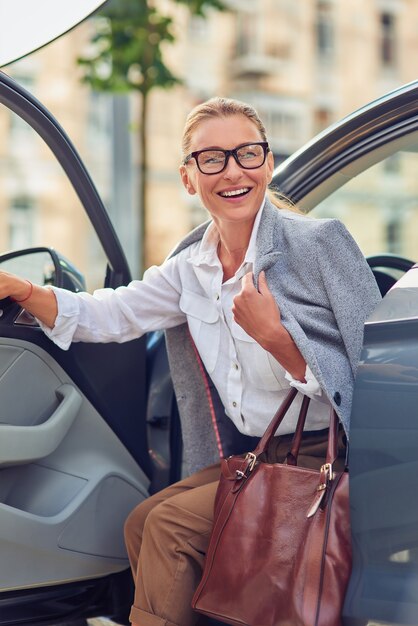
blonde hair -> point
(226, 107)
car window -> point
(379, 205)
(38, 205)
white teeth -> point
(235, 192)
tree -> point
(128, 57)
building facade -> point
(303, 65)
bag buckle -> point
(326, 476)
(250, 461)
(251, 458)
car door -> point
(363, 171)
(80, 445)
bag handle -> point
(292, 455)
(275, 422)
(332, 447)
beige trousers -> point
(167, 537)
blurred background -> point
(303, 64)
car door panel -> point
(22, 444)
(75, 497)
(384, 462)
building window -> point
(324, 31)
(393, 235)
(284, 130)
(247, 40)
(283, 125)
(21, 223)
(387, 39)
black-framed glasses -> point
(249, 156)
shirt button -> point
(217, 296)
(234, 404)
(236, 366)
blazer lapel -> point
(267, 254)
(192, 237)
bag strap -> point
(332, 450)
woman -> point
(254, 301)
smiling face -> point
(236, 194)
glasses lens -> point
(211, 161)
(251, 156)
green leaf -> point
(127, 45)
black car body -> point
(88, 433)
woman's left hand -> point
(259, 315)
(257, 311)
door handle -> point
(23, 444)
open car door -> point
(74, 439)
(365, 165)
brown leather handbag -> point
(280, 549)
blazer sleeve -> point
(349, 283)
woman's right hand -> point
(40, 301)
(13, 286)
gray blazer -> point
(325, 291)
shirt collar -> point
(206, 251)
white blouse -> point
(188, 287)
